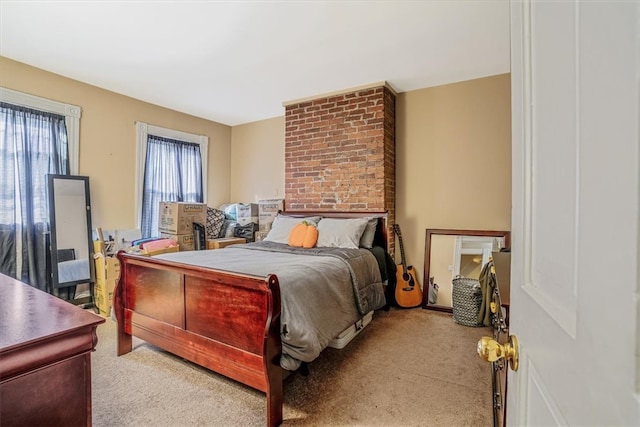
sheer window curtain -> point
(173, 173)
(32, 144)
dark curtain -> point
(32, 144)
(172, 173)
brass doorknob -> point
(490, 350)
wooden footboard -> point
(226, 322)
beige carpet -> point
(407, 368)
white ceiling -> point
(235, 62)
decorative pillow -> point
(215, 222)
(341, 232)
(282, 226)
(303, 235)
(366, 241)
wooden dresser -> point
(45, 358)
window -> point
(70, 112)
(37, 137)
(170, 168)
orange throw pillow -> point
(303, 235)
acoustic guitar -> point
(407, 293)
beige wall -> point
(108, 139)
(453, 153)
(257, 161)
(453, 160)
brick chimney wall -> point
(340, 153)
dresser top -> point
(28, 314)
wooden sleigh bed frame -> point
(224, 321)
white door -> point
(575, 227)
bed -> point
(241, 311)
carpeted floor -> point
(407, 368)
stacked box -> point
(267, 212)
(176, 222)
(178, 217)
(259, 236)
(107, 274)
(185, 241)
(246, 213)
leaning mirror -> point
(71, 250)
(451, 253)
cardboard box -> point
(246, 213)
(265, 227)
(107, 275)
(178, 217)
(185, 241)
(224, 242)
(267, 212)
(99, 247)
(260, 235)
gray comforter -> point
(323, 290)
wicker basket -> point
(467, 300)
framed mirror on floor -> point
(450, 253)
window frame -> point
(72, 114)
(142, 132)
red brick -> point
(340, 153)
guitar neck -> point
(396, 228)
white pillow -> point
(282, 225)
(341, 232)
(366, 241)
